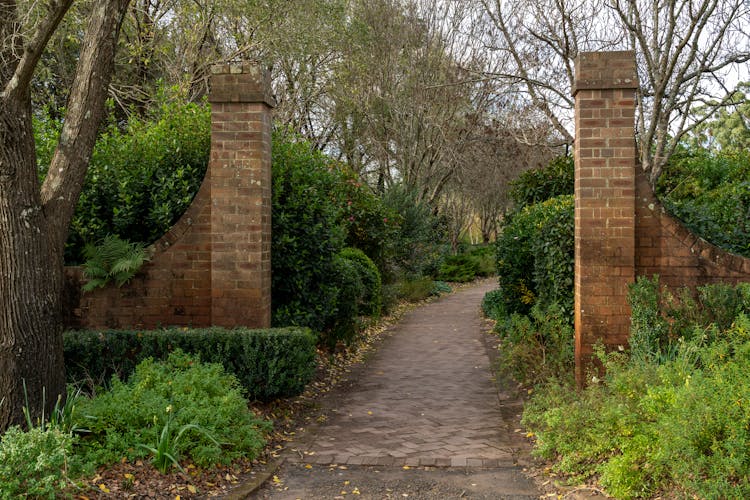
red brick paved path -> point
(425, 398)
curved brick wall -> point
(213, 267)
(667, 248)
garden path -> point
(423, 407)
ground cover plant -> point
(172, 412)
(670, 415)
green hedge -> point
(268, 363)
(535, 257)
(710, 193)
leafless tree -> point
(684, 51)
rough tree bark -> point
(34, 217)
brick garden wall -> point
(621, 230)
(213, 267)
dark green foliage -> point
(535, 257)
(493, 306)
(268, 363)
(553, 248)
(181, 392)
(370, 303)
(466, 266)
(538, 185)
(537, 347)
(112, 259)
(370, 225)
(710, 193)
(307, 237)
(141, 178)
(660, 319)
(418, 246)
(459, 268)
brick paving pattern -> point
(427, 397)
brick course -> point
(213, 267)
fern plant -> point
(113, 259)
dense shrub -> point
(661, 319)
(536, 347)
(419, 244)
(268, 363)
(710, 193)
(672, 415)
(553, 246)
(141, 177)
(493, 306)
(307, 237)
(535, 257)
(370, 302)
(468, 265)
(318, 207)
(176, 392)
(370, 225)
(458, 268)
(538, 185)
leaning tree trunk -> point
(34, 218)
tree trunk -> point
(30, 277)
(34, 218)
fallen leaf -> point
(129, 476)
(104, 488)
(406, 467)
(355, 491)
(192, 489)
(346, 483)
(308, 466)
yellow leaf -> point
(406, 467)
(276, 479)
(104, 488)
(355, 491)
(177, 497)
(308, 466)
(192, 489)
(529, 434)
(369, 413)
(129, 476)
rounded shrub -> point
(370, 303)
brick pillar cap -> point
(240, 81)
(605, 70)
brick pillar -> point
(605, 159)
(240, 180)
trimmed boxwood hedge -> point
(268, 363)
